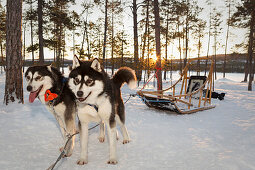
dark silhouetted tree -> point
(2, 35)
(244, 17)
(40, 30)
(216, 26)
(14, 78)
(158, 50)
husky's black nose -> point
(29, 88)
(79, 93)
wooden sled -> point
(185, 95)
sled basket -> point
(185, 95)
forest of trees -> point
(59, 29)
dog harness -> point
(48, 96)
(95, 107)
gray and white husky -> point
(92, 86)
(48, 84)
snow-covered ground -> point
(221, 139)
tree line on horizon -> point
(51, 24)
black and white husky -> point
(92, 86)
(48, 84)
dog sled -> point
(187, 95)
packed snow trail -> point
(220, 138)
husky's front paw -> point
(125, 141)
(82, 161)
(101, 139)
(112, 161)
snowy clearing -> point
(220, 138)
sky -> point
(236, 36)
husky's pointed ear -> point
(49, 67)
(76, 62)
(96, 65)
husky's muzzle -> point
(80, 93)
(33, 94)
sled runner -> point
(185, 95)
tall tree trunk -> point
(24, 47)
(215, 53)
(32, 36)
(59, 45)
(112, 40)
(2, 58)
(253, 72)
(250, 49)
(148, 52)
(145, 35)
(122, 49)
(209, 38)
(87, 39)
(40, 32)
(136, 61)
(83, 38)
(63, 53)
(226, 46)
(73, 41)
(55, 44)
(59, 41)
(14, 78)
(186, 34)
(167, 23)
(158, 53)
(171, 68)
(198, 53)
(99, 44)
(179, 38)
(105, 32)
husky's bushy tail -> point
(125, 75)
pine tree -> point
(209, 3)
(178, 14)
(116, 10)
(216, 25)
(61, 18)
(229, 5)
(244, 17)
(148, 38)
(166, 9)
(105, 29)
(191, 12)
(31, 17)
(158, 50)
(40, 30)
(136, 57)
(2, 35)
(199, 34)
(14, 78)
(145, 23)
(86, 33)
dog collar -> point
(95, 107)
(48, 96)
